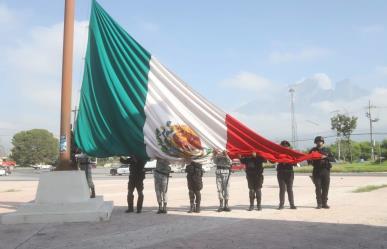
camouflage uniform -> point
(161, 175)
(195, 184)
(136, 181)
(85, 165)
(222, 173)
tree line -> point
(39, 146)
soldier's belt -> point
(222, 171)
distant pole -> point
(293, 118)
(75, 111)
(369, 116)
(67, 68)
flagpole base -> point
(62, 196)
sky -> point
(231, 52)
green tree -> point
(34, 147)
(344, 126)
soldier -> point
(195, 184)
(223, 172)
(285, 176)
(161, 175)
(254, 175)
(321, 172)
(85, 164)
(136, 181)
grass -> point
(348, 167)
(369, 188)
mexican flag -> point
(131, 104)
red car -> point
(236, 165)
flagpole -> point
(67, 67)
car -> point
(41, 166)
(123, 169)
(236, 165)
(4, 171)
(116, 166)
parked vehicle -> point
(4, 171)
(236, 165)
(41, 166)
(116, 166)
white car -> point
(42, 166)
(3, 172)
(123, 169)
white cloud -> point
(306, 54)
(39, 58)
(247, 81)
(323, 80)
(370, 29)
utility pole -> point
(293, 118)
(75, 112)
(67, 68)
(369, 116)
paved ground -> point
(356, 220)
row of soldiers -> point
(254, 176)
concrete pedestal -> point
(62, 196)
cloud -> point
(304, 55)
(32, 66)
(247, 81)
(323, 80)
(39, 58)
(370, 29)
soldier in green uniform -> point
(161, 175)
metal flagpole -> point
(67, 67)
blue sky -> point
(232, 52)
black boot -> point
(220, 208)
(197, 207)
(160, 210)
(140, 200)
(129, 199)
(291, 199)
(259, 194)
(325, 205)
(226, 207)
(165, 208)
(252, 197)
(280, 206)
(192, 207)
(92, 193)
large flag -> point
(133, 105)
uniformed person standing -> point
(136, 181)
(254, 175)
(194, 172)
(285, 176)
(321, 172)
(222, 173)
(161, 175)
(85, 164)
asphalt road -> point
(29, 174)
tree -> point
(344, 126)
(34, 147)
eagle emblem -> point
(180, 141)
